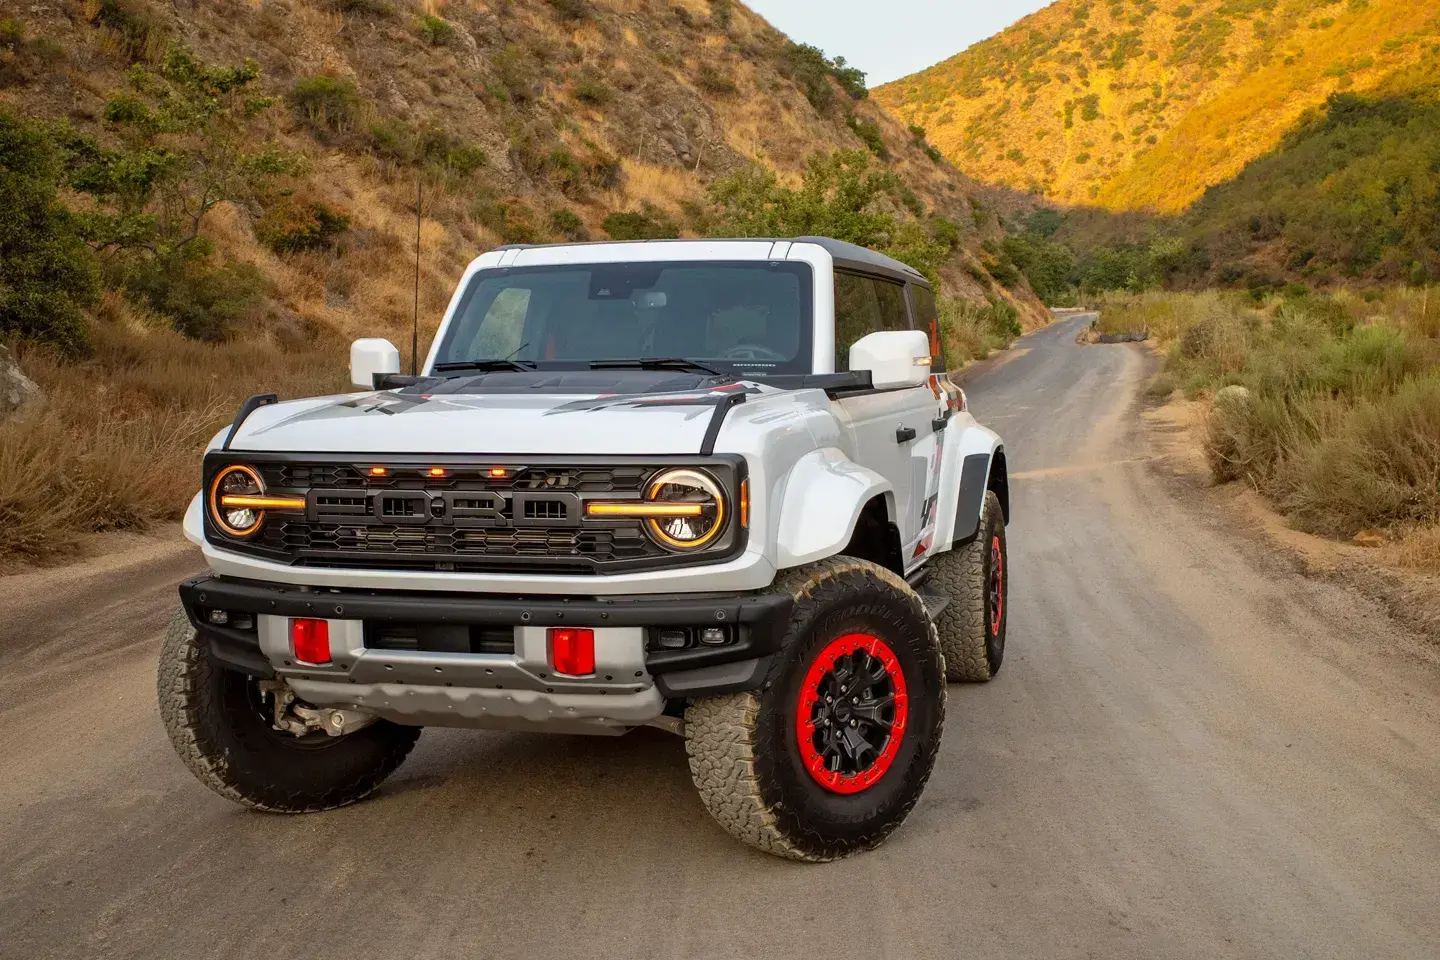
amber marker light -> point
(499, 472)
(745, 503)
(661, 510)
(377, 471)
(437, 472)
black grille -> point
(407, 514)
(299, 536)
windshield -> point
(741, 318)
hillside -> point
(1143, 104)
(529, 120)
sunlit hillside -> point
(1143, 104)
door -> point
(928, 454)
(888, 428)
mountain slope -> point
(529, 120)
(1142, 104)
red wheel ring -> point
(997, 586)
(854, 686)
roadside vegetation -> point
(1328, 405)
(180, 229)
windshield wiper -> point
(484, 366)
(657, 363)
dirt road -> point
(1192, 751)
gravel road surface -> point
(1192, 751)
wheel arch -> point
(829, 505)
(977, 466)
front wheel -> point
(219, 724)
(832, 753)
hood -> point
(490, 423)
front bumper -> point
(511, 689)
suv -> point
(719, 487)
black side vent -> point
(341, 504)
(544, 510)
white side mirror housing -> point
(895, 358)
(369, 356)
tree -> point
(46, 272)
(184, 131)
(840, 196)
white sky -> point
(889, 39)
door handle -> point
(904, 434)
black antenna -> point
(415, 329)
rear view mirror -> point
(370, 357)
(895, 358)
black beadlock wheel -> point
(833, 752)
(220, 726)
(976, 578)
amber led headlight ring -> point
(238, 501)
(694, 505)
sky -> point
(890, 39)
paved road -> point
(1191, 752)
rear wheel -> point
(833, 752)
(220, 724)
(976, 578)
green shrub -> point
(373, 8)
(570, 9)
(841, 195)
(326, 103)
(203, 299)
(428, 146)
(516, 72)
(567, 224)
(591, 88)
(436, 31)
(869, 134)
(134, 32)
(292, 227)
(721, 11)
(945, 232)
(47, 273)
(714, 80)
(650, 224)
(812, 71)
(22, 59)
(971, 331)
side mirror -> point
(895, 358)
(371, 356)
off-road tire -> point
(972, 635)
(745, 756)
(230, 746)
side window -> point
(857, 313)
(893, 315)
(864, 305)
(922, 304)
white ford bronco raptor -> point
(720, 487)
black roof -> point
(864, 259)
(847, 256)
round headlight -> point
(236, 481)
(687, 487)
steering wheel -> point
(753, 351)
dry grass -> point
(1420, 550)
(117, 444)
(1339, 424)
